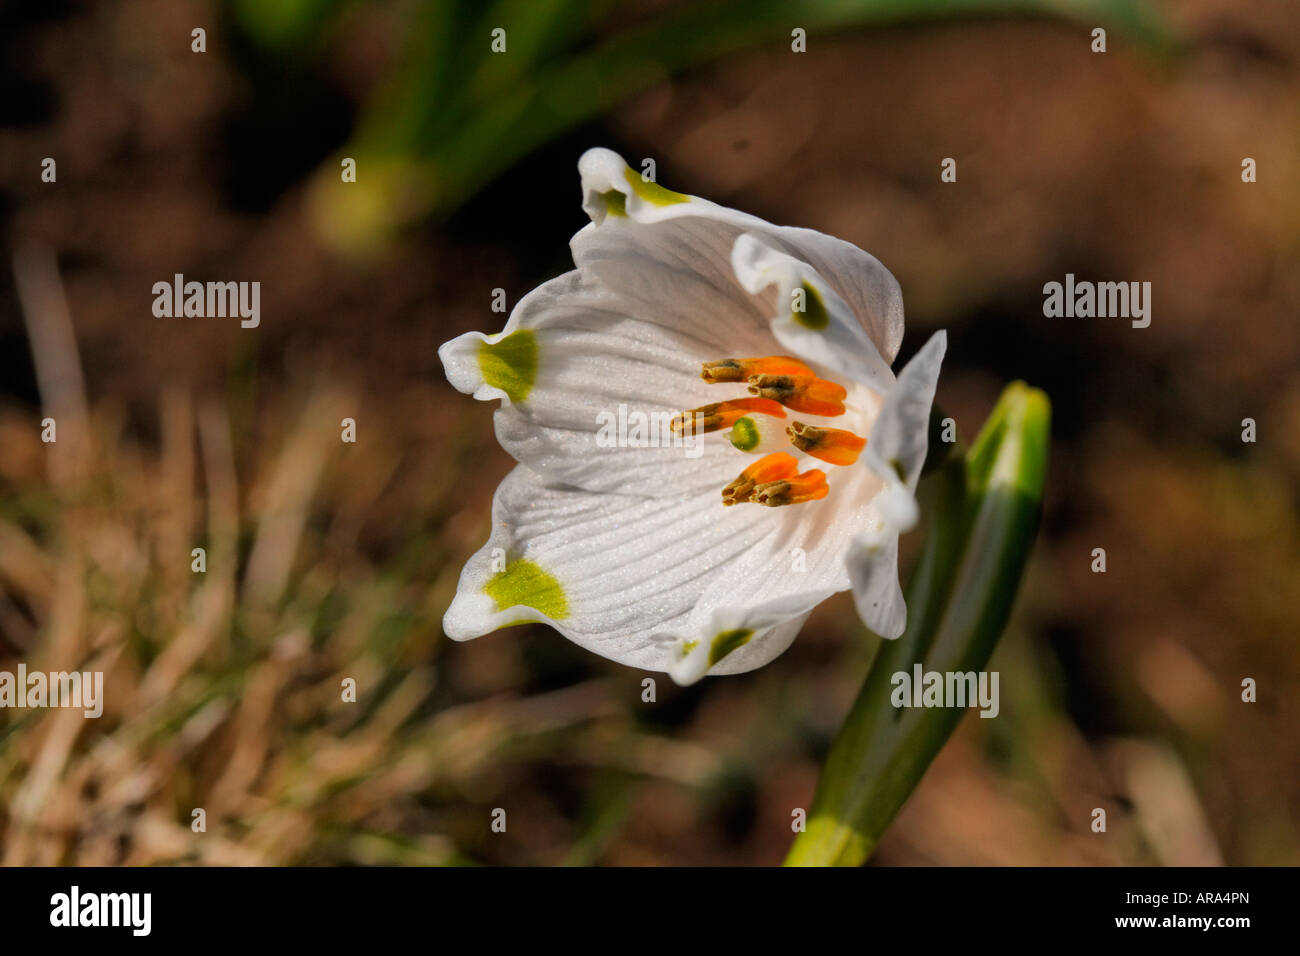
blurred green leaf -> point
(563, 94)
(282, 25)
(453, 115)
(984, 509)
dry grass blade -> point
(54, 352)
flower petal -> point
(895, 453)
(689, 228)
(619, 341)
(602, 388)
(873, 569)
(811, 319)
(613, 189)
(633, 578)
(743, 639)
(900, 436)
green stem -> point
(984, 509)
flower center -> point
(776, 383)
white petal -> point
(677, 275)
(688, 227)
(600, 393)
(623, 337)
(811, 319)
(743, 640)
(895, 453)
(631, 578)
(873, 569)
(900, 436)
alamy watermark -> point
(639, 429)
(77, 689)
(181, 299)
(922, 688)
(1101, 300)
(133, 911)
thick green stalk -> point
(984, 508)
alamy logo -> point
(923, 688)
(74, 908)
(638, 429)
(215, 300)
(83, 689)
(1102, 300)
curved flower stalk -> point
(709, 435)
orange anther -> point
(740, 370)
(803, 393)
(768, 469)
(832, 445)
(809, 486)
(710, 418)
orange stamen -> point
(769, 469)
(711, 418)
(803, 393)
(740, 370)
(834, 446)
(809, 486)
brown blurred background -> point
(327, 560)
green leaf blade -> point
(984, 509)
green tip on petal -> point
(615, 203)
(652, 193)
(510, 364)
(726, 642)
(744, 434)
(525, 582)
(813, 315)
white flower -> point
(783, 335)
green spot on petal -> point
(511, 364)
(744, 434)
(524, 582)
(519, 623)
(615, 203)
(814, 315)
(726, 642)
(652, 193)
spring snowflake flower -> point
(785, 459)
